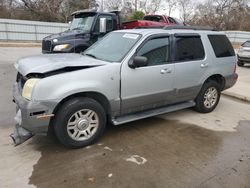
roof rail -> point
(150, 27)
(189, 28)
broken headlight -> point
(28, 87)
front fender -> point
(103, 79)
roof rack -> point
(150, 27)
(189, 28)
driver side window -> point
(156, 50)
(109, 26)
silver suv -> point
(126, 76)
(244, 54)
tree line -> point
(221, 14)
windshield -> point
(82, 22)
(113, 47)
(246, 44)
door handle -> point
(204, 65)
(166, 71)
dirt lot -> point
(180, 149)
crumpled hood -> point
(51, 62)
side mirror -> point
(102, 26)
(138, 61)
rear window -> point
(189, 48)
(221, 45)
(246, 44)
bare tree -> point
(186, 8)
(171, 5)
(113, 4)
(222, 14)
(153, 6)
(54, 10)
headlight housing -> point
(28, 87)
(55, 40)
(61, 47)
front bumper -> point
(29, 113)
(243, 59)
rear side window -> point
(189, 48)
(221, 45)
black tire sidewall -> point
(67, 110)
(200, 107)
(240, 64)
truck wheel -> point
(208, 98)
(240, 64)
(79, 122)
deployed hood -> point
(52, 62)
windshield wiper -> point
(90, 55)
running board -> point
(150, 113)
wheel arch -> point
(100, 98)
(217, 78)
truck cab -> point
(85, 29)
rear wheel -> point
(79, 122)
(208, 98)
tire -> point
(204, 102)
(240, 64)
(79, 122)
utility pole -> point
(135, 5)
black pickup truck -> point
(85, 29)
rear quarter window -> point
(221, 45)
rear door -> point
(190, 65)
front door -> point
(150, 86)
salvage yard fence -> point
(34, 31)
(238, 36)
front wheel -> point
(79, 122)
(208, 98)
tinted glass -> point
(221, 45)
(189, 48)
(113, 47)
(246, 44)
(154, 18)
(156, 50)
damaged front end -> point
(20, 134)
